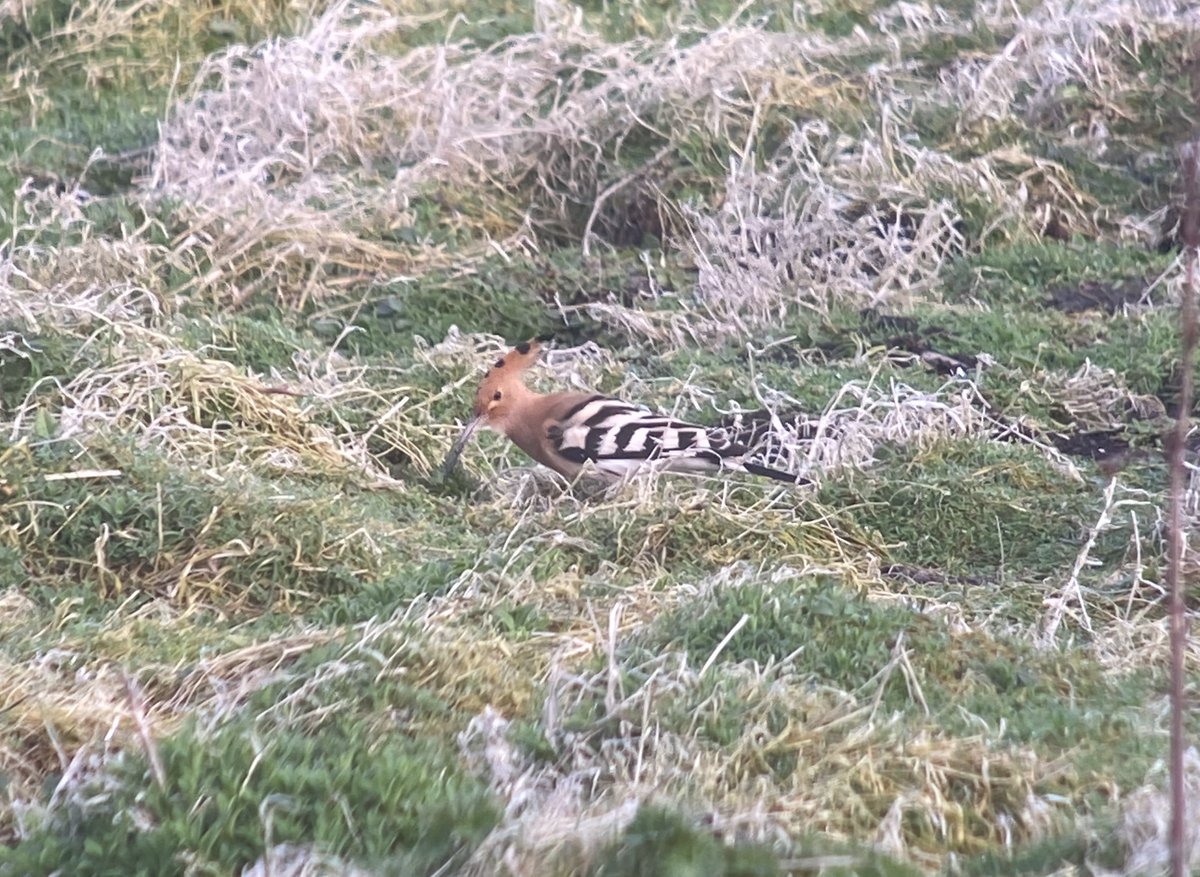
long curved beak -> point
(455, 452)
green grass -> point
(401, 804)
(970, 509)
(663, 844)
(840, 639)
(260, 551)
(47, 356)
(314, 618)
(1058, 704)
(1021, 274)
(1043, 858)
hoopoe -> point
(565, 431)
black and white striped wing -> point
(618, 437)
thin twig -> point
(1056, 605)
(1188, 337)
(614, 672)
(82, 474)
(617, 186)
(138, 713)
(722, 644)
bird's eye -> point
(496, 396)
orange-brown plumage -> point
(566, 431)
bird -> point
(568, 431)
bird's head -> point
(500, 391)
(504, 384)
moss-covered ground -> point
(253, 259)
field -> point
(254, 257)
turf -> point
(253, 259)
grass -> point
(244, 624)
(661, 842)
(964, 682)
(969, 510)
(235, 791)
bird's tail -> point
(776, 474)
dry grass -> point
(822, 220)
(295, 157)
(298, 179)
(1144, 829)
(848, 760)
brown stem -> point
(1188, 335)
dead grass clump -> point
(827, 220)
(143, 525)
(97, 282)
(1094, 398)
(862, 417)
(280, 156)
(458, 665)
(664, 329)
(604, 150)
(300, 156)
(831, 220)
(1141, 637)
(1144, 827)
(1118, 605)
(219, 685)
(774, 755)
(195, 408)
(548, 819)
(60, 275)
(280, 114)
(848, 434)
(1065, 48)
(302, 860)
(819, 760)
(109, 42)
(175, 401)
(72, 716)
(65, 715)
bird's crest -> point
(507, 371)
